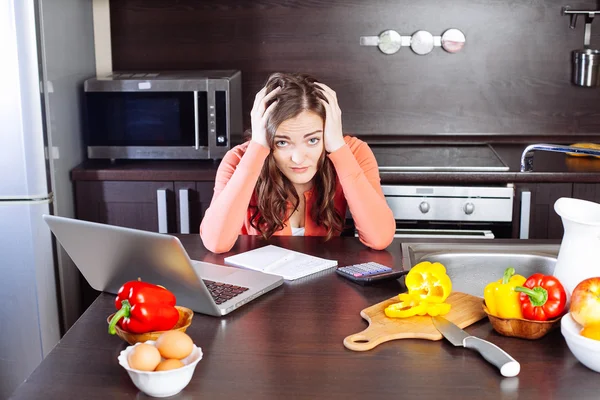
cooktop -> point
(461, 157)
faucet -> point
(527, 156)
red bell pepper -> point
(542, 297)
(144, 307)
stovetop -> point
(447, 158)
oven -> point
(461, 212)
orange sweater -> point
(358, 187)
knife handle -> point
(507, 365)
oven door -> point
(453, 230)
(451, 212)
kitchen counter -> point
(548, 167)
(288, 344)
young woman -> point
(298, 174)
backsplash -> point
(513, 75)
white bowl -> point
(586, 350)
(162, 383)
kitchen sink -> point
(472, 266)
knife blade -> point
(507, 365)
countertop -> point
(548, 167)
(288, 343)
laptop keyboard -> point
(221, 292)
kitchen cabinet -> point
(537, 200)
(587, 191)
(167, 207)
(128, 204)
(192, 200)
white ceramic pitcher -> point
(579, 254)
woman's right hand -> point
(260, 114)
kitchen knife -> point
(507, 365)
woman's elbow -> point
(214, 246)
(385, 236)
(214, 243)
(382, 242)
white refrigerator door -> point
(22, 161)
(29, 309)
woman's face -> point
(298, 147)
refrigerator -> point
(47, 52)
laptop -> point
(108, 256)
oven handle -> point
(196, 131)
(444, 233)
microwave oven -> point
(163, 115)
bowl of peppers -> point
(526, 308)
(145, 311)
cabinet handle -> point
(196, 132)
(161, 200)
(525, 214)
(184, 211)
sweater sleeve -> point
(359, 176)
(234, 186)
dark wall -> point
(512, 77)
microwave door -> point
(145, 124)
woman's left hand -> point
(333, 135)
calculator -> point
(369, 272)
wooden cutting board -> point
(465, 310)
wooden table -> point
(288, 344)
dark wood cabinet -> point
(128, 204)
(543, 222)
(169, 207)
(587, 191)
(192, 199)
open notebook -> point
(279, 261)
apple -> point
(585, 302)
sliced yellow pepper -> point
(408, 306)
(438, 309)
(500, 297)
(429, 281)
(413, 304)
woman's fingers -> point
(258, 97)
(269, 110)
(262, 105)
(332, 110)
(329, 93)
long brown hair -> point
(273, 189)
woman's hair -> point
(273, 189)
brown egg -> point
(174, 344)
(144, 357)
(169, 364)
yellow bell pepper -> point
(408, 306)
(438, 309)
(500, 297)
(413, 304)
(429, 281)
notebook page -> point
(275, 260)
(300, 265)
(260, 259)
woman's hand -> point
(260, 114)
(333, 135)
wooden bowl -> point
(521, 328)
(185, 320)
